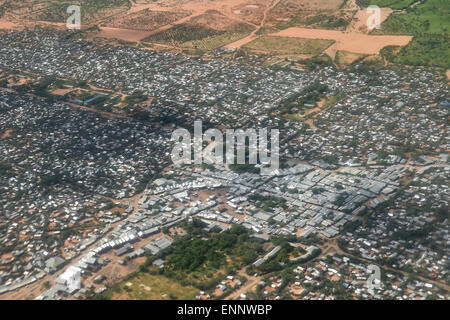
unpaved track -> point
(195, 8)
(251, 283)
(252, 36)
(353, 39)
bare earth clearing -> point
(123, 34)
(353, 42)
(354, 39)
(258, 13)
(7, 25)
(196, 8)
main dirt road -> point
(252, 36)
(354, 39)
(194, 7)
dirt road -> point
(252, 36)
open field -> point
(210, 43)
(55, 11)
(207, 31)
(286, 45)
(344, 58)
(122, 34)
(325, 14)
(352, 42)
(204, 25)
(250, 11)
(291, 5)
(145, 286)
(146, 19)
(7, 25)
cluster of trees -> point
(308, 96)
(340, 199)
(331, 159)
(51, 180)
(430, 50)
(5, 169)
(183, 33)
(242, 168)
(135, 98)
(327, 21)
(268, 202)
(200, 251)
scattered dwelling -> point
(53, 264)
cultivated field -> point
(352, 42)
(287, 45)
(55, 10)
(203, 25)
(207, 31)
(146, 19)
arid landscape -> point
(204, 25)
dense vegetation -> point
(267, 203)
(183, 33)
(433, 50)
(196, 252)
(202, 258)
(429, 23)
(5, 169)
(135, 98)
(428, 17)
(308, 96)
(243, 168)
(394, 4)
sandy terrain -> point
(354, 39)
(359, 22)
(353, 42)
(123, 34)
(252, 36)
(61, 92)
(196, 8)
(310, 4)
(255, 12)
(144, 20)
(7, 25)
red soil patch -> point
(123, 34)
(7, 25)
(6, 134)
(353, 42)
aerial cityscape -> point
(313, 162)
